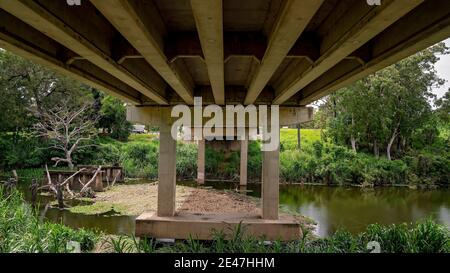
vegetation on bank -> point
(423, 237)
(22, 231)
(318, 161)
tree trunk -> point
(399, 147)
(298, 137)
(59, 195)
(352, 137)
(353, 141)
(389, 146)
(376, 149)
(69, 161)
(34, 189)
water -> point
(354, 208)
(331, 207)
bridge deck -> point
(158, 52)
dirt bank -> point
(136, 199)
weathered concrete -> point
(167, 167)
(201, 162)
(288, 52)
(151, 115)
(270, 181)
(203, 226)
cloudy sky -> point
(443, 69)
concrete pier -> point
(201, 162)
(244, 162)
(166, 167)
(270, 182)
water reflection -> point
(355, 208)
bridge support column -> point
(244, 161)
(166, 167)
(201, 162)
(270, 183)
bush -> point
(186, 160)
(23, 151)
(140, 159)
(254, 160)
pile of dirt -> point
(138, 198)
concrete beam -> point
(355, 29)
(293, 19)
(246, 43)
(185, 44)
(307, 46)
(209, 20)
(151, 115)
(167, 172)
(38, 16)
(37, 47)
(131, 20)
(427, 25)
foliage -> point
(113, 118)
(387, 109)
(423, 237)
(140, 159)
(28, 91)
(186, 160)
(21, 230)
(289, 138)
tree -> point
(443, 107)
(68, 127)
(113, 118)
(26, 87)
(386, 108)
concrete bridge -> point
(154, 54)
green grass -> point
(423, 237)
(102, 208)
(142, 137)
(288, 137)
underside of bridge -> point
(158, 53)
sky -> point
(443, 70)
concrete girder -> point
(365, 23)
(39, 17)
(290, 24)
(209, 20)
(131, 20)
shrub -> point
(186, 160)
(140, 159)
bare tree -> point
(69, 129)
